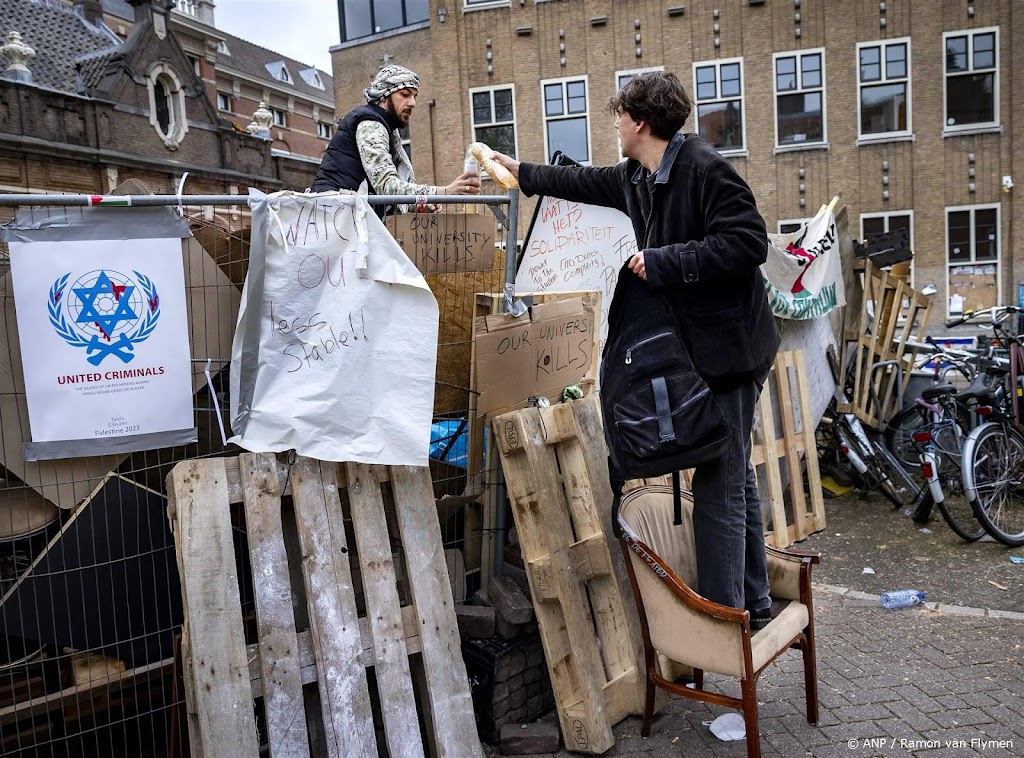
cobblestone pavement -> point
(943, 680)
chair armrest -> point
(789, 573)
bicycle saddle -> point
(980, 389)
(939, 390)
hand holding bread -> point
(485, 157)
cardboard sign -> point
(442, 243)
(536, 355)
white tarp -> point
(104, 341)
(803, 273)
(335, 348)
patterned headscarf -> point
(388, 80)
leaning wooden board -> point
(351, 628)
(592, 649)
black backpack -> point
(659, 414)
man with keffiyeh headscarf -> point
(367, 146)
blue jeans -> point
(732, 568)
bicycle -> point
(992, 468)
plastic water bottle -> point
(902, 598)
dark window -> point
(566, 130)
(800, 113)
(361, 18)
(986, 233)
(494, 119)
(162, 95)
(959, 234)
(720, 104)
(971, 71)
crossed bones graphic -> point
(122, 349)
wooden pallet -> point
(422, 704)
(900, 313)
(556, 473)
(781, 439)
(481, 524)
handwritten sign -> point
(572, 246)
(330, 357)
(441, 243)
(536, 355)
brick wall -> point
(925, 175)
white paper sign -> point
(803, 274)
(573, 246)
(104, 337)
(341, 367)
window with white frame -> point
(494, 117)
(280, 117)
(883, 77)
(800, 98)
(566, 119)
(790, 225)
(879, 223)
(193, 61)
(622, 78)
(972, 253)
(972, 78)
(718, 92)
(166, 104)
(223, 101)
(324, 130)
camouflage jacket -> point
(375, 146)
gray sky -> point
(301, 29)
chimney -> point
(90, 10)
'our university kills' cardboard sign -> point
(443, 243)
(538, 354)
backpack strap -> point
(617, 484)
(677, 500)
(663, 409)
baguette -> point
(485, 159)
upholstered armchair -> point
(683, 627)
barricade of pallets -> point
(556, 472)
(351, 593)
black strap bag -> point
(659, 414)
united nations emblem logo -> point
(105, 312)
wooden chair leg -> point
(645, 727)
(810, 676)
(698, 678)
(749, 688)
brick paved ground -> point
(915, 682)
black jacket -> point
(341, 166)
(703, 241)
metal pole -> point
(501, 493)
(174, 200)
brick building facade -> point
(905, 108)
(115, 89)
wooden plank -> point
(816, 522)
(566, 626)
(307, 656)
(282, 681)
(796, 477)
(226, 726)
(377, 569)
(447, 684)
(767, 453)
(606, 603)
(334, 623)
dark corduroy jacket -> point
(703, 241)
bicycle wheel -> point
(893, 479)
(959, 515)
(899, 438)
(992, 472)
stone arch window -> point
(167, 104)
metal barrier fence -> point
(90, 605)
